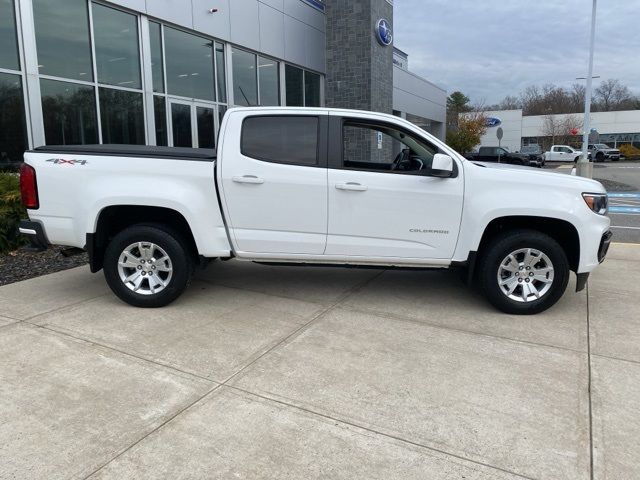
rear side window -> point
(281, 139)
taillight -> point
(29, 187)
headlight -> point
(597, 202)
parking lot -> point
(290, 372)
(624, 196)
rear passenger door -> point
(274, 182)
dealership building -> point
(163, 72)
(613, 128)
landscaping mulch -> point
(23, 263)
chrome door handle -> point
(353, 186)
(248, 179)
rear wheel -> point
(148, 266)
(600, 157)
(523, 272)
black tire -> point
(509, 242)
(181, 263)
(600, 157)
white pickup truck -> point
(315, 186)
(562, 153)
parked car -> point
(562, 153)
(315, 186)
(603, 152)
(535, 154)
(502, 155)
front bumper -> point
(35, 231)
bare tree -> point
(577, 97)
(510, 103)
(560, 129)
(612, 95)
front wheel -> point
(148, 266)
(523, 272)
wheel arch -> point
(113, 219)
(562, 231)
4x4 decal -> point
(62, 161)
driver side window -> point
(384, 148)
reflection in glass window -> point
(221, 72)
(8, 38)
(160, 115)
(69, 112)
(62, 38)
(13, 130)
(157, 71)
(294, 86)
(117, 54)
(268, 77)
(245, 84)
(311, 89)
(121, 116)
(189, 60)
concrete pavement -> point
(300, 372)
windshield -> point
(602, 145)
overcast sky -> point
(491, 48)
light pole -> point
(584, 167)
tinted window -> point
(69, 112)
(189, 61)
(157, 71)
(13, 131)
(245, 83)
(381, 147)
(281, 139)
(121, 116)
(294, 86)
(117, 52)
(62, 37)
(8, 38)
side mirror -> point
(442, 166)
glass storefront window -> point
(189, 63)
(69, 112)
(245, 84)
(121, 116)
(268, 78)
(8, 37)
(13, 129)
(311, 89)
(221, 71)
(294, 86)
(116, 42)
(157, 70)
(206, 128)
(62, 38)
(160, 115)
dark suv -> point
(535, 154)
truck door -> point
(274, 182)
(382, 201)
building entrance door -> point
(192, 124)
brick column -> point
(359, 69)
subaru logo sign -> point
(493, 122)
(383, 32)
